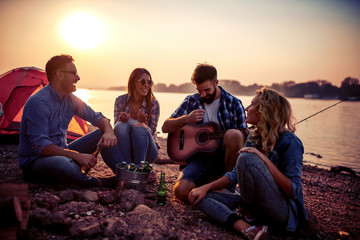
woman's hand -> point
(142, 117)
(253, 150)
(197, 194)
(124, 117)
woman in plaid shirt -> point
(136, 117)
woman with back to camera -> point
(268, 171)
(136, 117)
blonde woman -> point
(268, 171)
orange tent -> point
(16, 86)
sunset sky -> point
(258, 41)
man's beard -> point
(210, 97)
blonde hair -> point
(275, 115)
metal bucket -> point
(130, 180)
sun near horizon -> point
(83, 30)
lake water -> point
(333, 134)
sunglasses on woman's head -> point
(148, 82)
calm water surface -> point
(334, 133)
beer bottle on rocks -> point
(161, 194)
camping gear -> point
(16, 86)
(130, 180)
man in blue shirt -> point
(211, 104)
(43, 152)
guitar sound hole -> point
(202, 137)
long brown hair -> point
(134, 76)
(276, 116)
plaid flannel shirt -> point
(122, 105)
(231, 112)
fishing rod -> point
(347, 98)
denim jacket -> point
(287, 156)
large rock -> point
(146, 223)
(60, 218)
(114, 225)
(85, 227)
(39, 216)
(43, 217)
(66, 196)
(130, 198)
(107, 197)
(47, 200)
(90, 196)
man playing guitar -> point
(211, 104)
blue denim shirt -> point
(287, 156)
(231, 112)
(45, 121)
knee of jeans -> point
(121, 128)
(140, 124)
(138, 131)
(97, 132)
(246, 159)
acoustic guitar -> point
(193, 138)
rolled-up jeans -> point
(135, 142)
(63, 170)
(258, 192)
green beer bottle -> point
(161, 195)
(142, 166)
(132, 167)
(124, 165)
(84, 169)
(148, 168)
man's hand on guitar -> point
(197, 194)
(196, 116)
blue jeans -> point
(63, 170)
(259, 193)
(219, 205)
(135, 143)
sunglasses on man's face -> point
(71, 72)
(144, 81)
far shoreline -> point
(123, 89)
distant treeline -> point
(350, 87)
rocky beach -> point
(69, 212)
